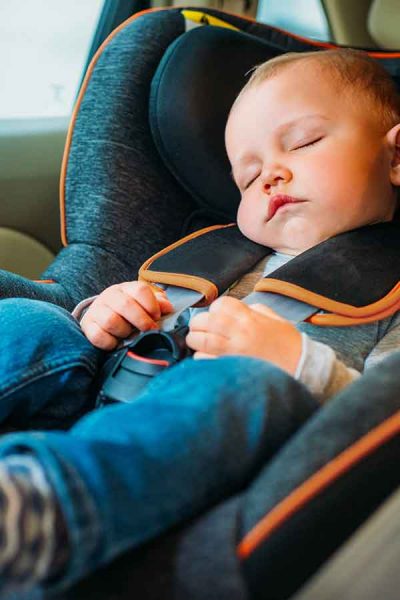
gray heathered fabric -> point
(122, 204)
(196, 561)
(117, 187)
(351, 414)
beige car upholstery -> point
(22, 254)
(348, 22)
(383, 23)
(243, 7)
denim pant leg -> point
(47, 366)
(198, 433)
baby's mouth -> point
(278, 201)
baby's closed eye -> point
(308, 143)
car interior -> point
(72, 224)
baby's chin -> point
(292, 238)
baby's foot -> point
(32, 532)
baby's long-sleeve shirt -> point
(332, 357)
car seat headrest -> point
(192, 91)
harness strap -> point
(289, 308)
(352, 277)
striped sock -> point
(32, 532)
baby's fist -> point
(122, 308)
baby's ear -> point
(393, 139)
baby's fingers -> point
(207, 343)
(165, 305)
(138, 293)
(109, 321)
(97, 336)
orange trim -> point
(44, 281)
(192, 282)
(331, 320)
(153, 361)
(317, 483)
(204, 287)
(82, 91)
(345, 313)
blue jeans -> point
(123, 474)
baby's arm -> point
(231, 327)
(321, 371)
(121, 308)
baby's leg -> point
(46, 365)
(126, 473)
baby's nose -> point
(275, 175)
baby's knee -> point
(22, 317)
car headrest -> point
(192, 91)
(383, 23)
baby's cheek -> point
(248, 220)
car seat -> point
(146, 138)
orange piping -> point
(341, 321)
(75, 113)
(208, 289)
(392, 299)
(43, 281)
(181, 241)
(317, 483)
(205, 287)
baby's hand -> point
(121, 308)
(232, 327)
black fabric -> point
(202, 71)
(368, 259)
(210, 256)
(356, 257)
(196, 561)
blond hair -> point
(353, 70)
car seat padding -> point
(192, 92)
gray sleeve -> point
(325, 375)
(321, 371)
(82, 307)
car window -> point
(303, 17)
(43, 49)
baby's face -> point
(308, 162)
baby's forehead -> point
(309, 84)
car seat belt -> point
(149, 353)
(196, 270)
(289, 308)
